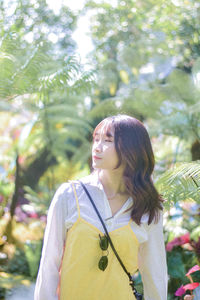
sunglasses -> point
(103, 242)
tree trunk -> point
(37, 168)
(195, 150)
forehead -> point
(104, 128)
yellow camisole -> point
(80, 277)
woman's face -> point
(104, 155)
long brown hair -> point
(134, 149)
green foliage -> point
(19, 264)
(183, 257)
(178, 261)
(9, 281)
(175, 259)
(20, 69)
(33, 253)
(54, 98)
(146, 60)
(180, 183)
(34, 22)
(140, 41)
(195, 234)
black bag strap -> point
(109, 239)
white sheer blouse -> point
(63, 214)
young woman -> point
(123, 192)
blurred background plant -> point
(146, 63)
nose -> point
(98, 147)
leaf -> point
(193, 269)
(191, 286)
(178, 241)
(181, 182)
(176, 266)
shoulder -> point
(66, 191)
(63, 189)
(89, 181)
(61, 195)
(66, 188)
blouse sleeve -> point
(52, 251)
(152, 263)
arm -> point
(54, 239)
(152, 263)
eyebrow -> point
(108, 134)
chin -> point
(95, 166)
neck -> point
(112, 182)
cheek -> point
(112, 152)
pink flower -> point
(191, 286)
(181, 240)
(180, 291)
(192, 270)
(33, 215)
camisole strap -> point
(76, 197)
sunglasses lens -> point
(103, 242)
(103, 262)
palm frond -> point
(20, 68)
(85, 83)
(181, 182)
(69, 79)
(27, 74)
(105, 107)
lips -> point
(96, 157)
